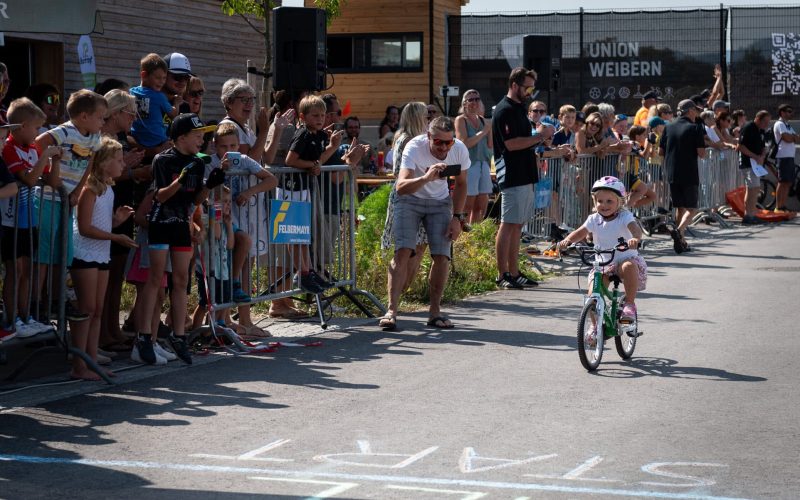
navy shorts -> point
(684, 196)
(173, 236)
(786, 170)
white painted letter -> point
(365, 451)
(469, 458)
(655, 467)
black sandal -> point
(442, 322)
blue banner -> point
(290, 222)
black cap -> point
(187, 122)
(651, 95)
(580, 117)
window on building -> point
(379, 52)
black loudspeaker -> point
(542, 53)
(298, 48)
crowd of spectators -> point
(136, 164)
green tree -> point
(262, 9)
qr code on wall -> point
(785, 64)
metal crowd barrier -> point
(571, 183)
(719, 173)
(54, 289)
(274, 267)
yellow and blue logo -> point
(290, 222)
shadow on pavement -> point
(663, 367)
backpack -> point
(772, 151)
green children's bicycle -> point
(605, 305)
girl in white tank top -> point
(92, 240)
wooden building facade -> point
(218, 47)
(384, 52)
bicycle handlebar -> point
(586, 251)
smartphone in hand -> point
(451, 171)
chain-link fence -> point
(618, 56)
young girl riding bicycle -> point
(610, 222)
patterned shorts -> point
(641, 266)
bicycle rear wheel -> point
(590, 344)
(625, 341)
(766, 198)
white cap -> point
(178, 63)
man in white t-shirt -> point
(424, 196)
(785, 138)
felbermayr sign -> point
(619, 59)
(73, 17)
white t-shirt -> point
(250, 218)
(246, 136)
(606, 233)
(785, 149)
(78, 150)
(417, 157)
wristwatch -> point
(461, 217)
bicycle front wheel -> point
(590, 344)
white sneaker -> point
(38, 326)
(160, 360)
(164, 353)
(23, 330)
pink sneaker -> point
(591, 338)
(628, 312)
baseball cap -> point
(687, 104)
(188, 122)
(580, 117)
(699, 100)
(548, 121)
(656, 121)
(651, 95)
(720, 104)
(178, 63)
(620, 118)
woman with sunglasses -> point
(48, 99)
(589, 139)
(413, 122)
(193, 96)
(135, 176)
(476, 133)
(239, 100)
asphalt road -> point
(500, 407)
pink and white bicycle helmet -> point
(611, 183)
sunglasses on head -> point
(53, 99)
(442, 142)
(197, 93)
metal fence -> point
(570, 201)
(617, 56)
(39, 236)
(272, 270)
